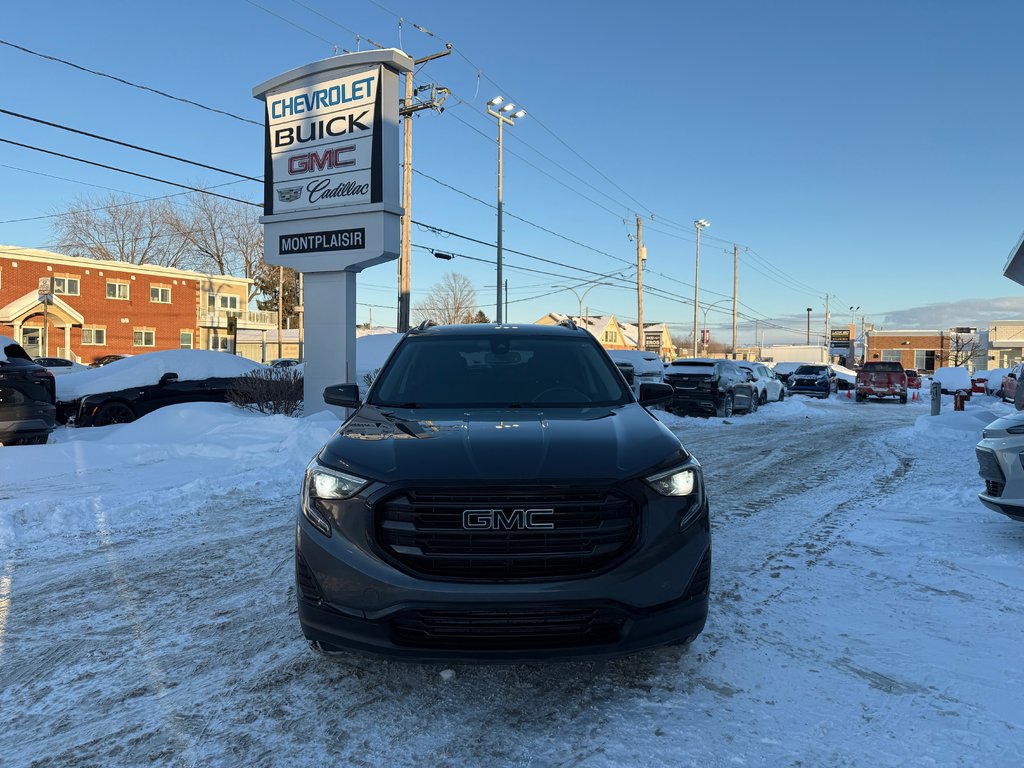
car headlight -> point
(327, 484)
(675, 482)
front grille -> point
(994, 488)
(423, 530)
(988, 466)
(520, 628)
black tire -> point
(113, 413)
(903, 399)
(782, 394)
(860, 398)
(725, 409)
(755, 401)
(764, 398)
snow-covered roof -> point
(145, 370)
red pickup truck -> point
(881, 379)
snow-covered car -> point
(26, 397)
(647, 366)
(913, 378)
(59, 366)
(99, 362)
(135, 386)
(784, 370)
(953, 379)
(994, 380)
(814, 379)
(768, 385)
(999, 465)
(846, 378)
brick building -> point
(110, 307)
(923, 350)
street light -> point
(580, 297)
(704, 327)
(503, 118)
(699, 224)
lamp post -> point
(699, 224)
(503, 118)
(704, 327)
(580, 297)
(809, 326)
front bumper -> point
(1001, 467)
(815, 390)
(351, 597)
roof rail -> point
(569, 323)
(423, 326)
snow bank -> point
(145, 370)
(953, 378)
(194, 452)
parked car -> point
(27, 409)
(953, 379)
(881, 378)
(284, 362)
(1000, 466)
(769, 387)
(647, 366)
(846, 378)
(59, 365)
(116, 394)
(816, 380)
(913, 378)
(1008, 389)
(500, 494)
(784, 370)
(99, 362)
(706, 387)
(995, 380)
(627, 371)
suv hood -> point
(501, 445)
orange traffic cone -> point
(915, 395)
(848, 395)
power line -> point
(130, 173)
(130, 83)
(61, 178)
(129, 146)
(331, 43)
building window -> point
(66, 286)
(144, 339)
(220, 343)
(924, 359)
(94, 336)
(185, 340)
(892, 355)
(610, 336)
(117, 290)
(225, 301)
(160, 295)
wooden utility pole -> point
(640, 255)
(735, 285)
(405, 257)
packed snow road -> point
(865, 611)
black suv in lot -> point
(706, 387)
(501, 494)
(27, 409)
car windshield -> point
(502, 371)
(810, 370)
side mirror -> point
(655, 394)
(342, 395)
(169, 376)
(1011, 375)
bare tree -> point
(451, 301)
(962, 348)
(118, 228)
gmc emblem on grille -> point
(500, 519)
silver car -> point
(1000, 465)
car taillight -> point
(46, 379)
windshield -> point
(499, 371)
(810, 370)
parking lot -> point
(863, 611)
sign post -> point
(46, 297)
(331, 199)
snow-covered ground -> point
(865, 611)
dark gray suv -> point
(27, 396)
(501, 494)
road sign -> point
(45, 286)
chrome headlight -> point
(328, 484)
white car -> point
(768, 385)
(59, 365)
(647, 366)
(999, 465)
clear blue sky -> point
(867, 150)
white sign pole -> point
(332, 194)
